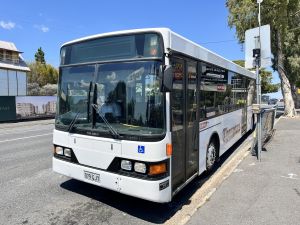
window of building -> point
(8, 56)
(15, 57)
(1, 54)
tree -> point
(42, 74)
(43, 77)
(266, 79)
(280, 14)
(266, 82)
(49, 90)
(40, 56)
(33, 89)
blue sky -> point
(48, 24)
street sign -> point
(252, 41)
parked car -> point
(273, 101)
(280, 103)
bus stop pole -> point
(258, 90)
(258, 97)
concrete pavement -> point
(266, 192)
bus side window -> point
(214, 91)
(238, 94)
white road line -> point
(16, 139)
(24, 131)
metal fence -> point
(267, 128)
(268, 115)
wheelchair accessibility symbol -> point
(141, 149)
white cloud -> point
(42, 28)
(7, 25)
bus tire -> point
(211, 154)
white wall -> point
(12, 83)
(21, 83)
(3, 83)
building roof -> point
(21, 66)
(8, 46)
(5, 64)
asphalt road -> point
(31, 193)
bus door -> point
(184, 124)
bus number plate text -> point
(92, 176)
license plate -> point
(92, 176)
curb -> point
(204, 193)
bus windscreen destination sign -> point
(122, 47)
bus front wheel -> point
(211, 155)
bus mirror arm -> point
(166, 79)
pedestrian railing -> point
(268, 115)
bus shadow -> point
(142, 209)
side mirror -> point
(166, 79)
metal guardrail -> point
(268, 115)
(268, 121)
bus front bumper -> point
(144, 189)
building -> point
(50, 107)
(25, 109)
(13, 79)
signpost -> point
(258, 55)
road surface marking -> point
(16, 139)
(291, 176)
(23, 131)
(238, 170)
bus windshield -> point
(126, 95)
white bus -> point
(143, 112)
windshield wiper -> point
(71, 125)
(74, 120)
(112, 130)
(88, 101)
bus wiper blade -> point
(112, 130)
(88, 100)
(73, 122)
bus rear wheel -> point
(211, 155)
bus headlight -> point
(67, 152)
(126, 165)
(59, 150)
(140, 167)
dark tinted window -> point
(214, 91)
(113, 48)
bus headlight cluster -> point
(63, 151)
(59, 150)
(138, 166)
(67, 152)
(126, 165)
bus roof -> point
(178, 43)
